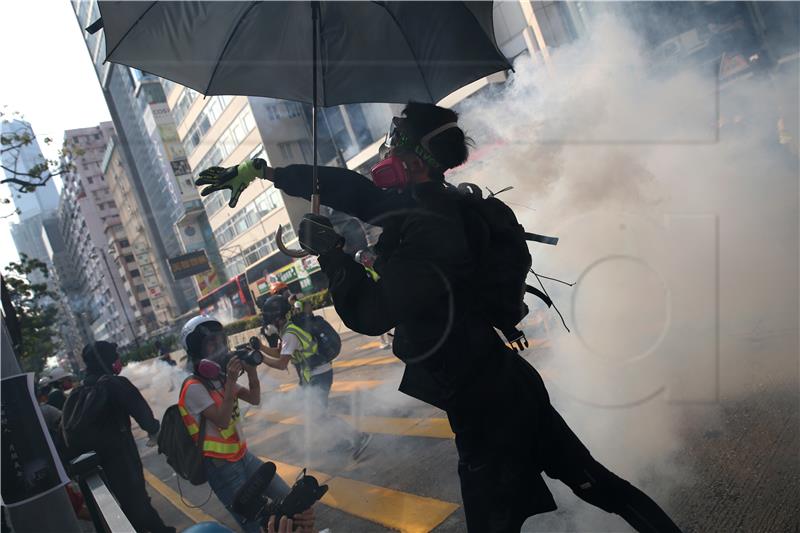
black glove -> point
(317, 236)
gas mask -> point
(392, 172)
(217, 355)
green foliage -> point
(34, 305)
(23, 180)
(147, 349)
(243, 324)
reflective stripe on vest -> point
(308, 347)
(228, 447)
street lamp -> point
(102, 254)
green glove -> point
(234, 178)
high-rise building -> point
(86, 212)
(32, 207)
(73, 336)
(144, 277)
(175, 220)
(225, 130)
(131, 95)
(42, 199)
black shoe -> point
(361, 445)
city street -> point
(740, 462)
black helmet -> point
(274, 307)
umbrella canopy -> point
(389, 52)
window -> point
(183, 104)
(293, 109)
(207, 117)
(272, 112)
(249, 216)
(135, 273)
(124, 243)
(258, 152)
(146, 302)
(96, 136)
(129, 258)
(140, 288)
(286, 150)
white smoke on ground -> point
(682, 238)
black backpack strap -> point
(544, 239)
(536, 292)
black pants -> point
(321, 384)
(571, 463)
(517, 434)
(124, 475)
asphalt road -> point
(736, 460)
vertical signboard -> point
(30, 465)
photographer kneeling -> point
(209, 405)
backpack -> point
(329, 343)
(183, 454)
(500, 245)
(85, 418)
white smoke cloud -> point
(683, 239)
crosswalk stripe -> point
(395, 509)
(195, 515)
(339, 386)
(367, 361)
(438, 428)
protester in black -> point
(506, 431)
(117, 451)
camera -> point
(248, 353)
(251, 503)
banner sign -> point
(189, 264)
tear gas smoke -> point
(682, 236)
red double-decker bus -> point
(230, 301)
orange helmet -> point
(277, 286)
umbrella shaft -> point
(314, 176)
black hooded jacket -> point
(425, 267)
(125, 400)
(496, 403)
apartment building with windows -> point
(86, 210)
(143, 277)
(226, 130)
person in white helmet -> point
(209, 405)
(60, 382)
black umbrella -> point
(325, 53)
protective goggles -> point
(398, 138)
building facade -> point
(144, 278)
(86, 210)
(131, 95)
(32, 207)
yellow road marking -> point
(367, 361)
(272, 431)
(338, 386)
(438, 428)
(196, 515)
(395, 509)
(369, 346)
